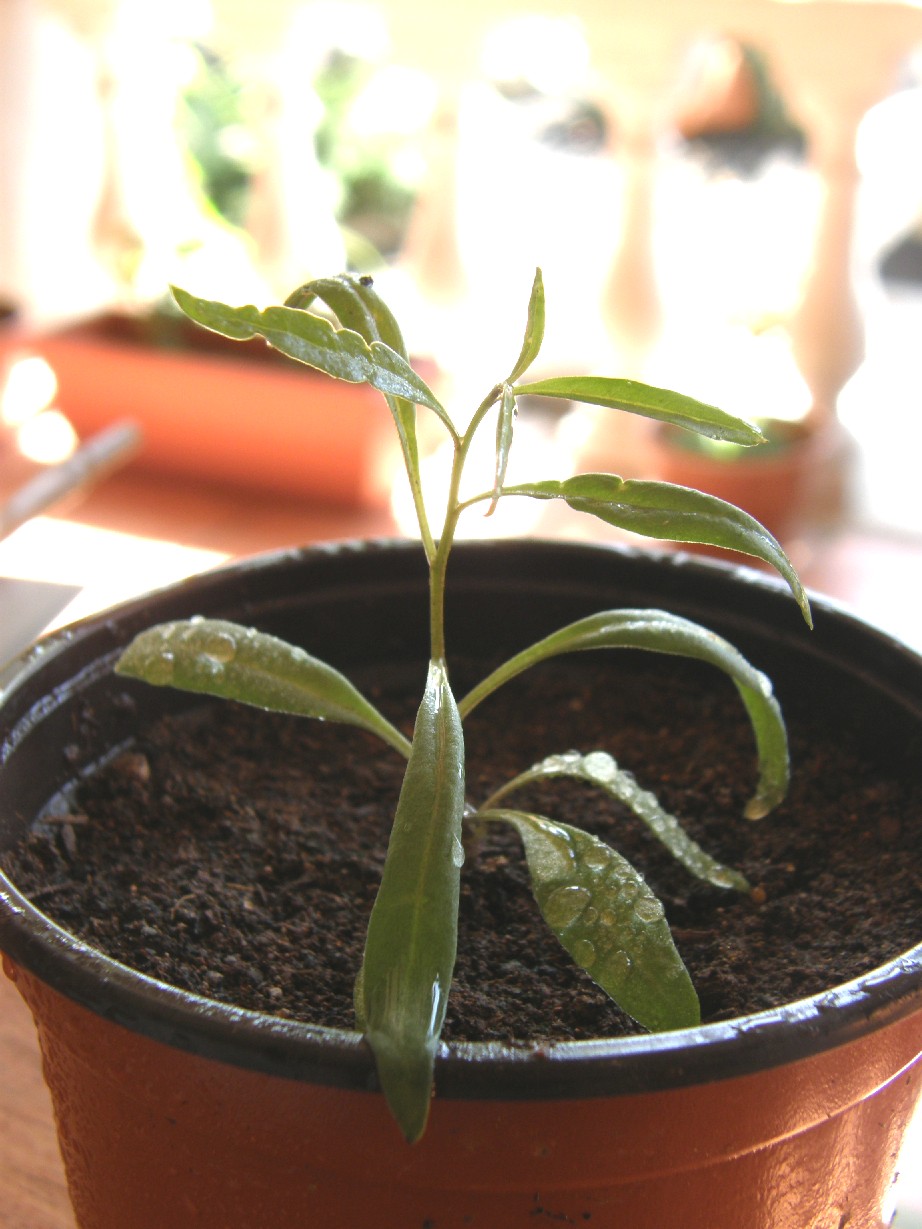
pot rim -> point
(482, 1070)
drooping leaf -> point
(412, 933)
(310, 339)
(219, 658)
(603, 771)
(675, 513)
(357, 305)
(604, 914)
(534, 330)
(650, 402)
(662, 632)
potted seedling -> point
(249, 1118)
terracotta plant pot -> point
(213, 409)
(798, 477)
(175, 1110)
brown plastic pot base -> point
(219, 1147)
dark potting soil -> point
(236, 854)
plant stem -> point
(438, 563)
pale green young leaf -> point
(662, 632)
(600, 769)
(608, 920)
(534, 330)
(674, 513)
(650, 402)
(412, 933)
(505, 425)
(219, 658)
(310, 339)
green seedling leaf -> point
(218, 658)
(412, 933)
(505, 424)
(674, 513)
(359, 307)
(602, 770)
(604, 914)
(312, 340)
(662, 632)
(534, 330)
(650, 402)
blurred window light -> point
(30, 387)
(47, 438)
(549, 53)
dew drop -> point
(599, 766)
(220, 646)
(596, 858)
(591, 916)
(584, 953)
(207, 665)
(559, 763)
(159, 669)
(628, 891)
(553, 858)
(648, 909)
(565, 904)
(618, 964)
(608, 917)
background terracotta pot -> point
(220, 410)
(176, 1110)
(801, 476)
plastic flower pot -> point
(176, 1110)
(797, 477)
(215, 410)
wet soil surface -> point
(236, 854)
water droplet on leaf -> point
(618, 964)
(584, 953)
(565, 904)
(596, 858)
(220, 646)
(599, 766)
(160, 668)
(648, 909)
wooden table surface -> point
(877, 575)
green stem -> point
(419, 506)
(438, 563)
(524, 778)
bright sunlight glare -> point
(30, 386)
(47, 438)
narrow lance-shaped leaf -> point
(505, 424)
(359, 307)
(310, 339)
(534, 330)
(604, 914)
(662, 632)
(412, 933)
(650, 402)
(218, 658)
(602, 770)
(674, 513)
